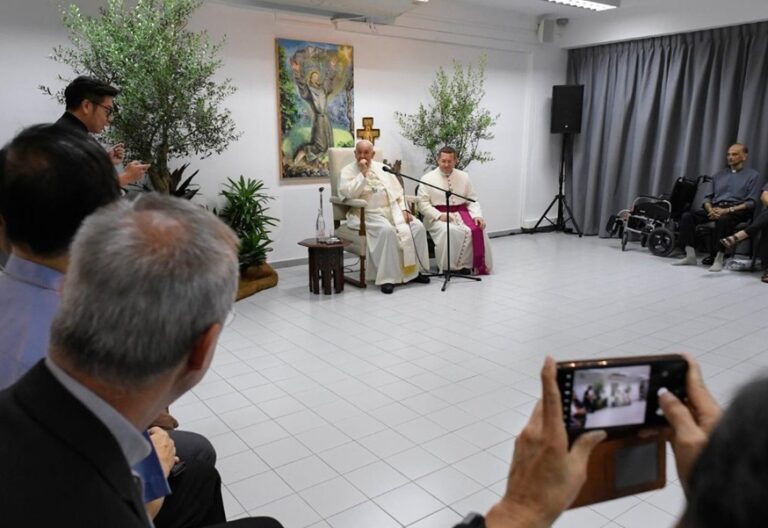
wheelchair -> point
(650, 221)
(654, 219)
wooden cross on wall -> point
(368, 132)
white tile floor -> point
(371, 410)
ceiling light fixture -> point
(594, 5)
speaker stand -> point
(560, 200)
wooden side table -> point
(326, 263)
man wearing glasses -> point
(90, 108)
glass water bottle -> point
(320, 222)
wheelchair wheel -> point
(624, 238)
(661, 241)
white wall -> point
(393, 69)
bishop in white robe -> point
(469, 244)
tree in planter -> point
(169, 101)
(453, 118)
(245, 212)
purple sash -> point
(478, 243)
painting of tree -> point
(315, 92)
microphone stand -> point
(447, 273)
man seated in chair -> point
(50, 182)
(470, 247)
(757, 229)
(396, 241)
(732, 201)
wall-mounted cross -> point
(368, 132)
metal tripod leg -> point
(544, 216)
(571, 218)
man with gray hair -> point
(148, 288)
(50, 181)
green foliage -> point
(182, 189)
(301, 135)
(289, 99)
(453, 118)
(169, 102)
(245, 212)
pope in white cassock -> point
(470, 247)
(396, 241)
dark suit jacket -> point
(71, 123)
(60, 465)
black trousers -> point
(193, 446)
(195, 500)
(724, 226)
(759, 229)
(758, 224)
(250, 522)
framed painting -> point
(316, 106)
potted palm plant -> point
(245, 212)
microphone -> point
(389, 169)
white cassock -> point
(462, 252)
(395, 247)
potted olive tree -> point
(169, 105)
(245, 212)
(454, 117)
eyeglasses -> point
(111, 110)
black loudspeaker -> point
(566, 108)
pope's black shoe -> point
(387, 288)
(423, 279)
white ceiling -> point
(527, 7)
(378, 8)
(634, 19)
(537, 7)
(628, 9)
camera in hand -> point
(618, 395)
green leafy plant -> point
(289, 99)
(246, 213)
(176, 187)
(169, 102)
(454, 116)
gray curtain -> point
(661, 108)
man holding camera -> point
(546, 476)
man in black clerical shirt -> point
(731, 202)
(90, 108)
